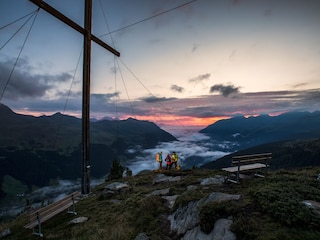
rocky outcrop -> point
(115, 188)
(313, 205)
(5, 233)
(221, 231)
(164, 178)
(185, 220)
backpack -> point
(157, 157)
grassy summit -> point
(269, 208)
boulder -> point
(142, 236)
(184, 218)
(115, 188)
(196, 234)
(219, 180)
(187, 217)
(164, 178)
(220, 197)
(159, 192)
(5, 233)
(313, 205)
(222, 230)
(78, 220)
(171, 200)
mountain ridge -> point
(37, 150)
(251, 131)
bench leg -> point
(39, 233)
(228, 179)
(73, 206)
(238, 176)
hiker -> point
(168, 161)
(159, 159)
(174, 158)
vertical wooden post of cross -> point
(88, 37)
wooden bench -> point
(41, 215)
(248, 163)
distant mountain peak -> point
(4, 109)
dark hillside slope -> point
(190, 204)
(36, 150)
(285, 154)
(253, 131)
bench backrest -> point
(50, 210)
(253, 158)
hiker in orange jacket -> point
(159, 159)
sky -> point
(183, 63)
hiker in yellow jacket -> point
(174, 158)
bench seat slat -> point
(45, 217)
(245, 167)
(51, 210)
(253, 155)
(246, 161)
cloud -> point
(233, 54)
(176, 88)
(194, 47)
(191, 153)
(106, 96)
(200, 78)
(20, 84)
(155, 99)
(224, 90)
(197, 110)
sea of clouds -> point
(193, 149)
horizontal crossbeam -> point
(72, 24)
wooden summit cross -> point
(88, 36)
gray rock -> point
(116, 186)
(187, 217)
(159, 192)
(196, 234)
(116, 201)
(184, 218)
(78, 220)
(218, 180)
(171, 200)
(191, 188)
(5, 233)
(163, 178)
(142, 236)
(313, 205)
(220, 197)
(107, 193)
(222, 230)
